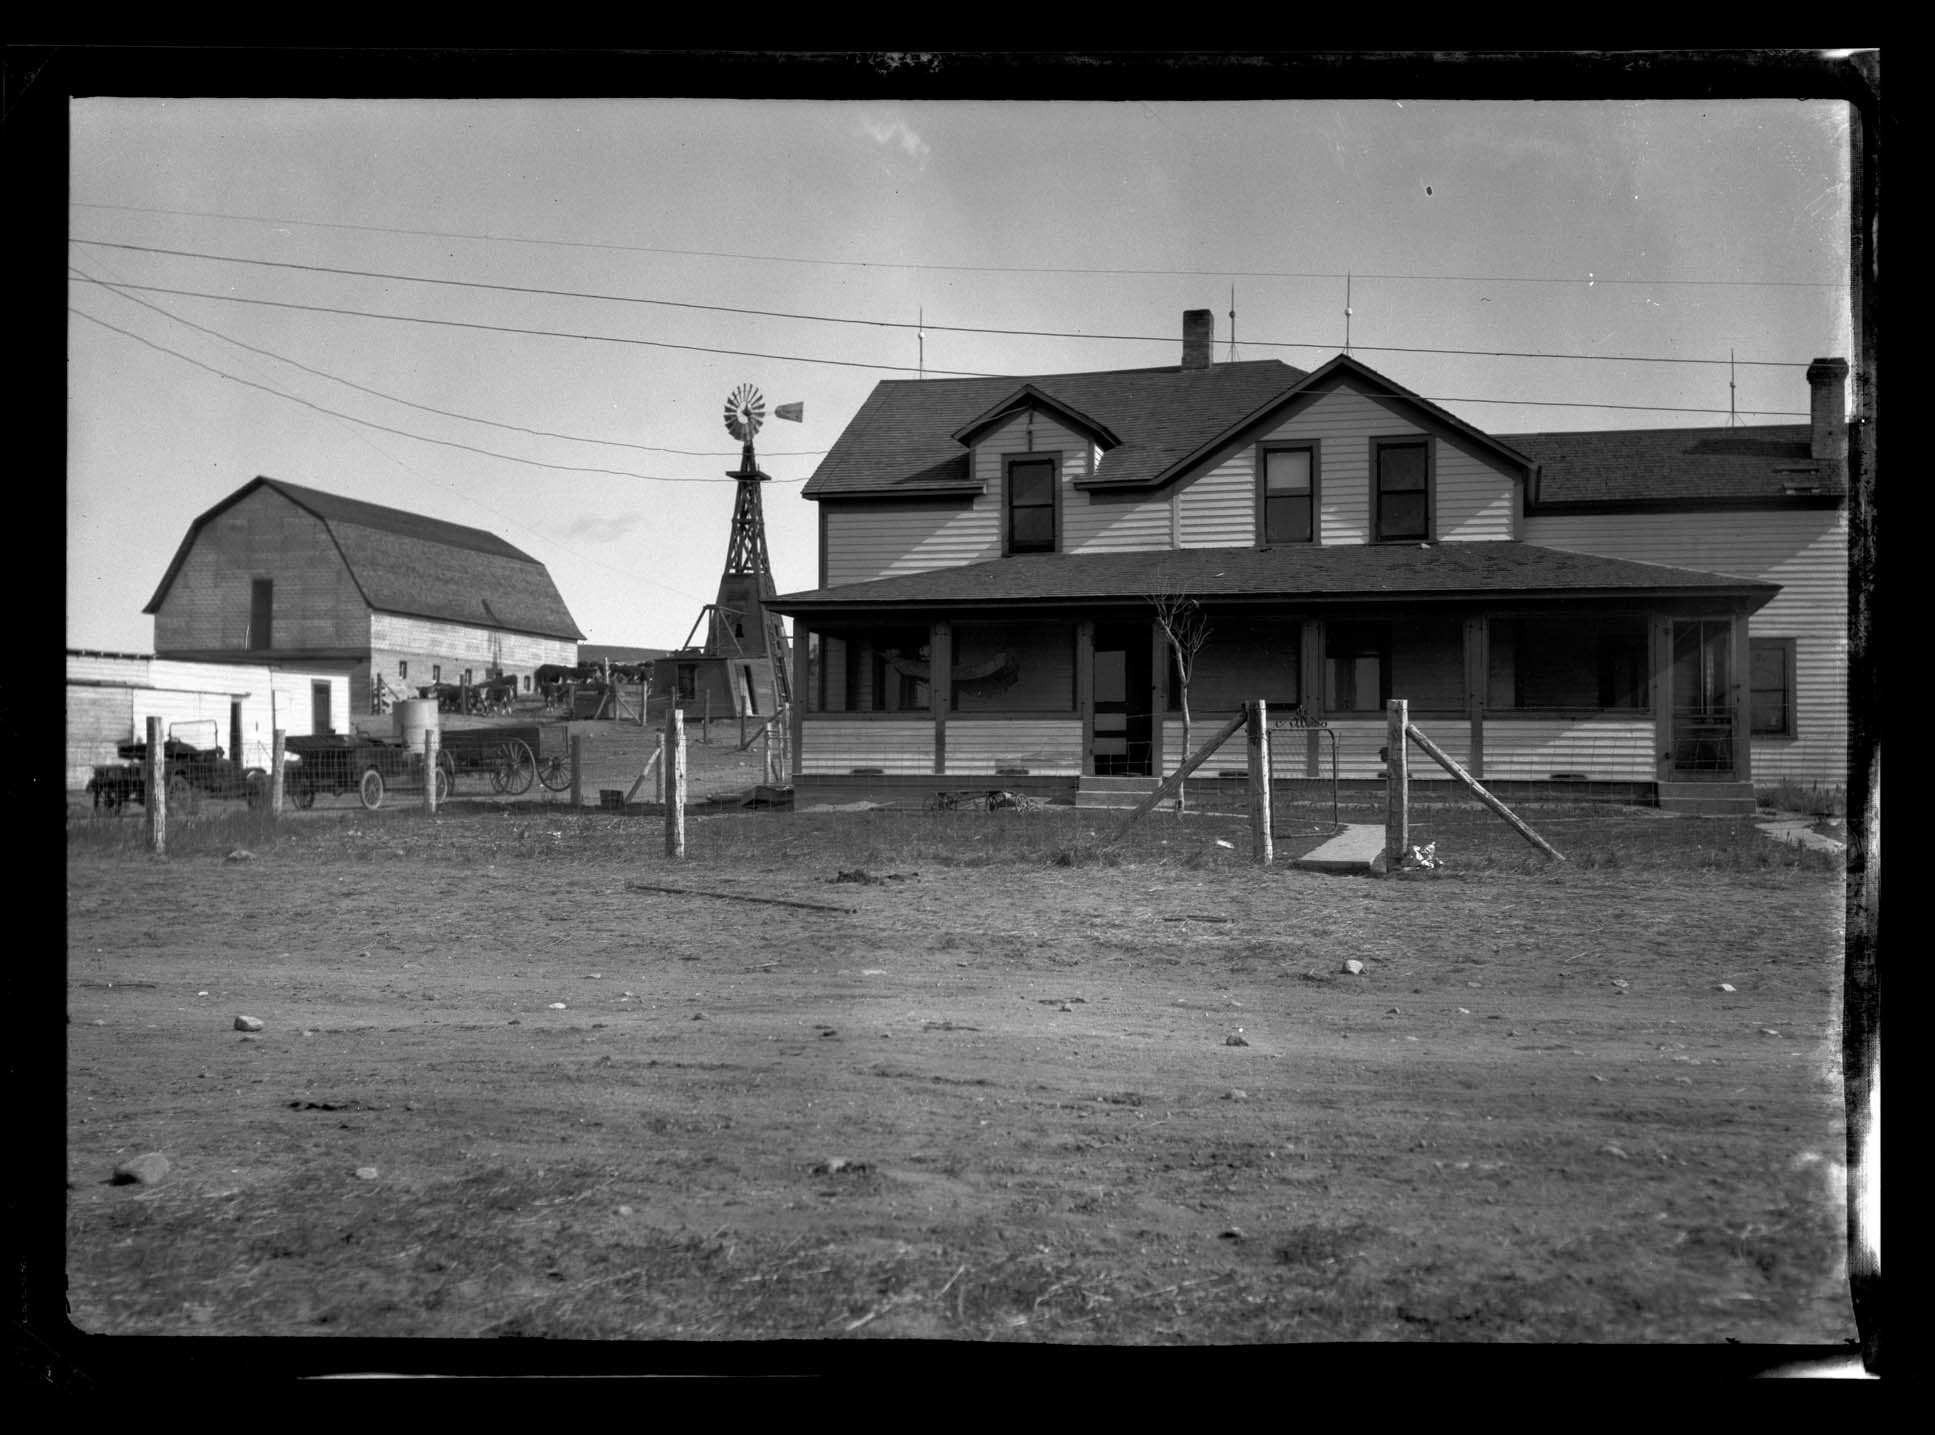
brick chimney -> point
(1828, 378)
(1199, 338)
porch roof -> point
(1302, 572)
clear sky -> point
(1585, 230)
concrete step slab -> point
(1356, 851)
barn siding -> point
(317, 604)
(1806, 552)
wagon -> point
(193, 772)
(510, 756)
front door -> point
(1703, 698)
(319, 708)
(1119, 745)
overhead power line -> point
(538, 333)
(849, 363)
(427, 408)
(916, 325)
(966, 268)
(386, 428)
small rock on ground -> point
(248, 1023)
(144, 1170)
(1353, 967)
(366, 1173)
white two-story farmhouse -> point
(1652, 615)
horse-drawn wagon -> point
(373, 767)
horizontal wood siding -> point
(1115, 526)
(1475, 500)
(835, 745)
(1049, 747)
(885, 540)
(97, 719)
(1344, 420)
(1604, 749)
(1806, 552)
(1219, 509)
(316, 605)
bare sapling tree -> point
(1186, 629)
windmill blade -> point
(795, 412)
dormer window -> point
(1403, 489)
(1286, 494)
(1031, 504)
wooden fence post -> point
(577, 770)
(277, 757)
(1259, 745)
(430, 771)
(675, 784)
(157, 773)
(1397, 778)
(705, 731)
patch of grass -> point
(1809, 800)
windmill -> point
(746, 641)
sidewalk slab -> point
(1356, 851)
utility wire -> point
(540, 333)
(386, 428)
(889, 323)
(970, 268)
(426, 408)
(853, 364)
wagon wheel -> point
(447, 767)
(443, 785)
(370, 789)
(514, 768)
(305, 797)
(554, 772)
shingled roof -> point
(902, 440)
(421, 567)
(1675, 467)
(1301, 572)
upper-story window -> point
(1403, 492)
(262, 613)
(1032, 504)
(1286, 497)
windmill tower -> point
(745, 651)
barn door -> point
(1703, 698)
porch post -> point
(1662, 656)
(802, 640)
(1085, 690)
(1477, 686)
(1158, 695)
(1740, 707)
(940, 685)
(1310, 682)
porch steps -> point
(1113, 794)
(1708, 799)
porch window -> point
(1014, 667)
(1772, 662)
(1564, 663)
(1031, 505)
(1403, 489)
(1287, 481)
(1242, 661)
(1357, 667)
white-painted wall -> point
(1806, 552)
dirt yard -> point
(966, 1094)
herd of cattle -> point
(496, 696)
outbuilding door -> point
(319, 708)
(1703, 698)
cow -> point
(494, 695)
(449, 696)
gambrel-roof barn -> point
(277, 572)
